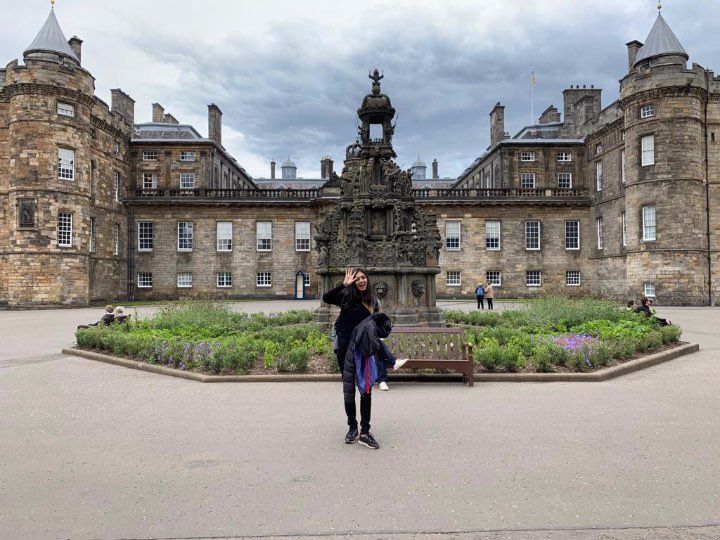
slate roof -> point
(50, 38)
(660, 41)
(166, 133)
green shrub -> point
(522, 342)
(625, 348)
(296, 360)
(542, 357)
(670, 334)
(564, 313)
(270, 353)
(651, 341)
(512, 358)
(490, 357)
(600, 355)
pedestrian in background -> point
(489, 294)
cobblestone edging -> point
(598, 376)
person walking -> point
(480, 295)
(356, 299)
(489, 294)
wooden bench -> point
(433, 348)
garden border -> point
(598, 376)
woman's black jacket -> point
(366, 340)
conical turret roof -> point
(50, 38)
(661, 41)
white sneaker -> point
(400, 362)
(384, 386)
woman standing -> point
(489, 294)
(356, 300)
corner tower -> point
(63, 171)
(664, 106)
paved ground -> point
(90, 450)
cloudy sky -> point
(290, 74)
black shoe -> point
(352, 436)
(368, 440)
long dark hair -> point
(353, 295)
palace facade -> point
(620, 201)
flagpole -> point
(532, 98)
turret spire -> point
(661, 41)
(50, 38)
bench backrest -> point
(427, 343)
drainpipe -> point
(707, 189)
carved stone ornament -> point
(381, 289)
(418, 288)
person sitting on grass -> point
(645, 309)
(120, 316)
(631, 305)
(107, 319)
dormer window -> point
(65, 109)
(527, 156)
(646, 111)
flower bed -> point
(544, 336)
(208, 337)
(561, 335)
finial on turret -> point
(52, 4)
(659, 6)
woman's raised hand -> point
(350, 277)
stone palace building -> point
(618, 201)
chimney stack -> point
(170, 119)
(632, 47)
(497, 124)
(215, 124)
(76, 45)
(158, 113)
(326, 167)
(122, 104)
(435, 169)
(272, 170)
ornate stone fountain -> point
(378, 226)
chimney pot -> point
(272, 170)
(435, 169)
(76, 45)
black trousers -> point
(481, 302)
(365, 408)
(490, 306)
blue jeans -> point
(385, 358)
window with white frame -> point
(532, 235)
(600, 234)
(622, 166)
(564, 157)
(572, 235)
(494, 277)
(264, 279)
(224, 280)
(264, 235)
(649, 289)
(224, 235)
(187, 180)
(149, 180)
(185, 236)
(117, 148)
(306, 279)
(572, 278)
(527, 180)
(116, 186)
(452, 235)
(647, 150)
(302, 236)
(564, 180)
(116, 240)
(453, 278)
(187, 156)
(66, 164)
(145, 236)
(184, 280)
(598, 148)
(91, 243)
(598, 175)
(150, 155)
(144, 280)
(65, 109)
(64, 229)
(492, 235)
(646, 111)
(533, 278)
(527, 156)
(624, 229)
(648, 224)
